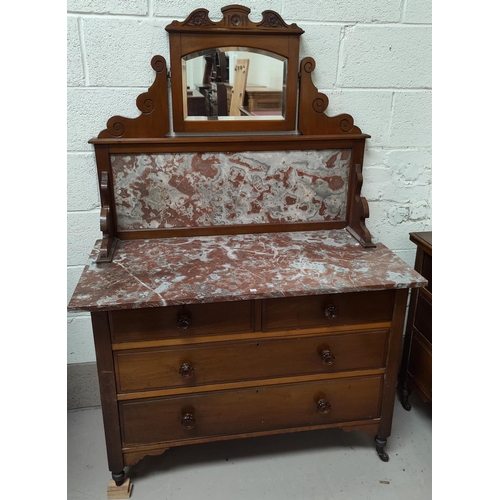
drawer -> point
(218, 363)
(328, 310)
(420, 364)
(252, 410)
(177, 321)
(423, 316)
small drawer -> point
(163, 368)
(341, 309)
(178, 321)
(225, 413)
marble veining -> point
(208, 189)
(183, 270)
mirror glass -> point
(234, 83)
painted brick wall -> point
(373, 61)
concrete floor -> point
(313, 465)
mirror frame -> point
(198, 32)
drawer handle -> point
(183, 322)
(323, 406)
(331, 311)
(188, 421)
(186, 370)
(327, 358)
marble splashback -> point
(209, 189)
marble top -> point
(187, 270)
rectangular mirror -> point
(234, 83)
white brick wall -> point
(373, 60)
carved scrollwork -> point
(346, 123)
(308, 65)
(108, 241)
(359, 211)
(199, 18)
(235, 17)
(320, 103)
(271, 19)
(153, 104)
(318, 122)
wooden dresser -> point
(416, 364)
(236, 290)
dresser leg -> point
(379, 446)
(405, 393)
(118, 477)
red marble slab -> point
(162, 272)
(211, 189)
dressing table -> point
(236, 290)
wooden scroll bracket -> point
(154, 120)
(109, 241)
(359, 211)
(312, 105)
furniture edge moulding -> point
(154, 105)
(235, 18)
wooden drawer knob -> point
(188, 421)
(331, 311)
(327, 357)
(186, 370)
(183, 322)
(323, 406)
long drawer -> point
(314, 311)
(218, 363)
(178, 321)
(243, 411)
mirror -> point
(235, 74)
(234, 83)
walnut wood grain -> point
(305, 312)
(138, 369)
(107, 386)
(249, 410)
(163, 322)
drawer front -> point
(420, 365)
(178, 321)
(243, 411)
(328, 310)
(423, 316)
(194, 366)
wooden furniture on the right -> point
(416, 364)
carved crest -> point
(235, 18)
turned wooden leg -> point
(118, 477)
(379, 446)
(405, 393)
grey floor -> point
(315, 465)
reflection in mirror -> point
(234, 83)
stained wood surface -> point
(219, 363)
(249, 410)
(162, 322)
(306, 312)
